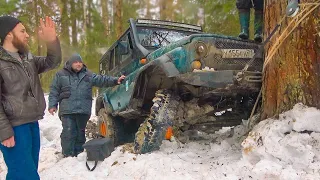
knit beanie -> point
(75, 58)
(7, 24)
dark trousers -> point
(247, 4)
(22, 159)
(73, 133)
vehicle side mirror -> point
(123, 47)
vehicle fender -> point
(102, 101)
(167, 65)
(167, 62)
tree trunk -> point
(84, 6)
(166, 9)
(293, 73)
(65, 22)
(118, 18)
(169, 10)
(178, 11)
(148, 8)
(89, 14)
(37, 19)
(163, 14)
(73, 19)
(105, 16)
(203, 15)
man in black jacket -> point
(22, 99)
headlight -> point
(201, 49)
(196, 65)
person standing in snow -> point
(22, 99)
(244, 7)
(71, 89)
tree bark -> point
(37, 19)
(169, 10)
(89, 14)
(105, 16)
(118, 18)
(84, 5)
(166, 9)
(65, 21)
(148, 8)
(73, 19)
(163, 14)
(293, 73)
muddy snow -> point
(287, 148)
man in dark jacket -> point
(244, 7)
(72, 90)
(22, 99)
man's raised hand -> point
(47, 31)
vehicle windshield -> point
(156, 38)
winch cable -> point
(251, 61)
(283, 36)
(276, 46)
(260, 49)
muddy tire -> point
(111, 127)
(152, 131)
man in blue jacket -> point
(72, 90)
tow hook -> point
(249, 76)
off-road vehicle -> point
(177, 78)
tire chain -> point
(161, 116)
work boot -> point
(244, 18)
(258, 22)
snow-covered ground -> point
(287, 149)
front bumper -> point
(222, 79)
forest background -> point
(89, 27)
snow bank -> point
(287, 148)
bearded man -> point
(22, 99)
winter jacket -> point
(73, 91)
(22, 99)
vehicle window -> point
(123, 49)
(118, 54)
(130, 41)
(126, 40)
(152, 37)
(111, 60)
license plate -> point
(237, 53)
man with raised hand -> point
(22, 99)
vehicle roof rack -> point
(169, 23)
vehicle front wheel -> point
(111, 127)
(153, 130)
